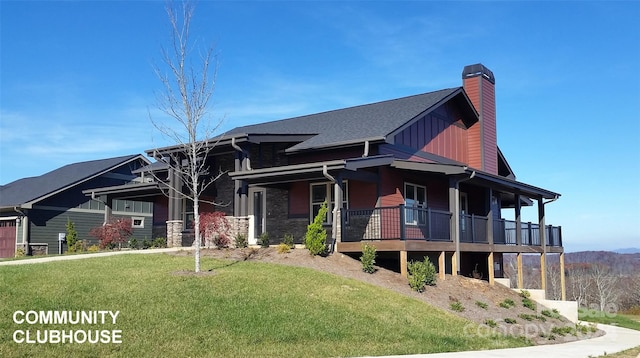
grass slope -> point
(244, 309)
(615, 319)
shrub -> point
(114, 233)
(288, 240)
(368, 258)
(93, 248)
(551, 314)
(159, 242)
(146, 244)
(482, 305)
(457, 306)
(510, 320)
(241, 241)
(71, 235)
(215, 229)
(133, 243)
(20, 252)
(283, 248)
(527, 302)
(563, 331)
(491, 323)
(316, 237)
(526, 317)
(525, 294)
(507, 303)
(264, 239)
(421, 273)
(78, 246)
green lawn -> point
(615, 319)
(245, 309)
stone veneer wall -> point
(174, 233)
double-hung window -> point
(321, 192)
(415, 201)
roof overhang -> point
(308, 171)
(127, 191)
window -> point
(321, 192)
(137, 222)
(415, 198)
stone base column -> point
(174, 233)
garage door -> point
(7, 238)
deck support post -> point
(454, 207)
(490, 266)
(403, 263)
(454, 265)
(543, 242)
(441, 269)
(563, 287)
(519, 268)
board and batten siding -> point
(440, 132)
(46, 222)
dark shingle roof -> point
(375, 120)
(29, 189)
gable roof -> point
(352, 125)
(29, 190)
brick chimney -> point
(479, 84)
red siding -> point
(362, 195)
(440, 132)
(299, 199)
(160, 210)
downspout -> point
(366, 149)
(25, 228)
(237, 147)
(334, 225)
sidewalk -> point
(88, 256)
(617, 339)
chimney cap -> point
(478, 70)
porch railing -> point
(397, 222)
(412, 223)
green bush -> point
(71, 235)
(159, 242)
(421, 273)
(507, 303)
(368, 258)
(146, 244)
(264, 239)
(456, 306)
(491, 323)
(20, 252)
(241, 241)
(526, 317)
(288, 240)
(563, 331)
(510, 320)
(133, 243)
(525, 294)
(316, 238)
(93, 248)
(283, 248)
(78, 246)
(529, 303)
(551, 314)
(482, 305)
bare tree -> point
(605, 286)
(187, 89)
(579, 283)
(554, 289)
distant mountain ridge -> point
(629, 250)
(621, 263)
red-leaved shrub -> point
(115, 232)
(215, 229)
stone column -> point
(174, 233)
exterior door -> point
(7, 238)
(258, 208)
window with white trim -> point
(137, 222)
(415, 198)
(321, 192)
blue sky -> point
(77, 83)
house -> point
(34, 211)
(414, 176)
